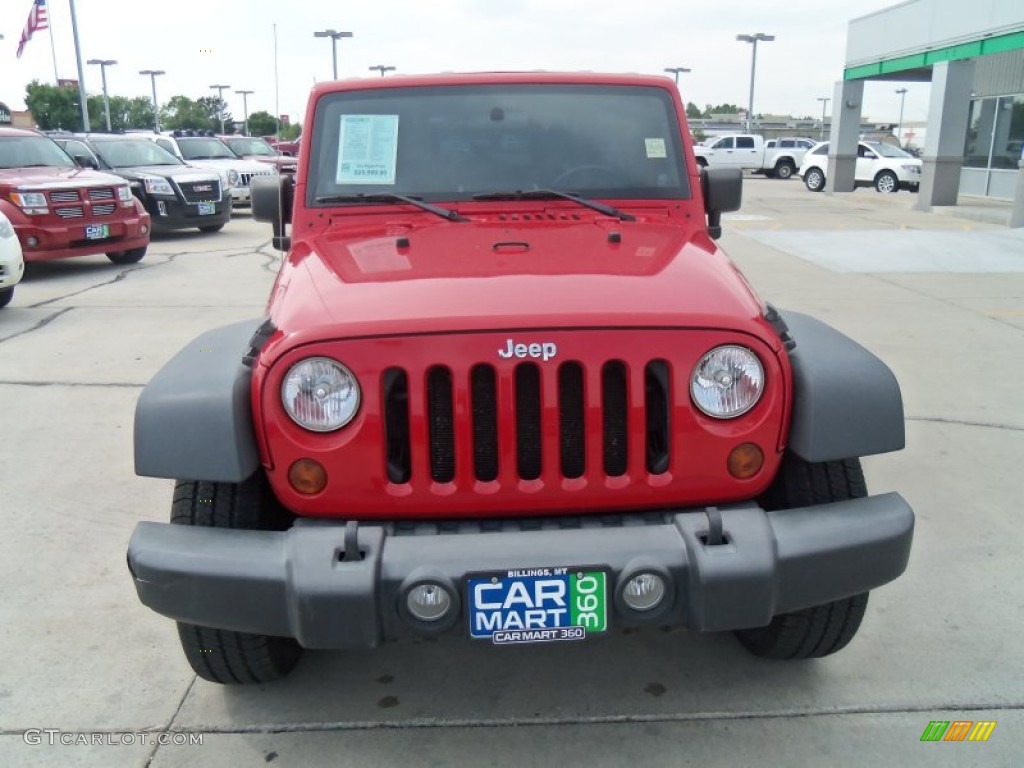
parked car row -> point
(82, 194)
(879, 165)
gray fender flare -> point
(194, 419)
(846, 402)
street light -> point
(824, 104)
(753, 39)
(220, 103)
(156, 109)
(899, 134)
(245, 108)
(382, 69)
(676, 71)
(104, 63)
(334, 44)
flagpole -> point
(81, 73)
(53, 50)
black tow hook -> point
(714, 536)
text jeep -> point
(509, 388)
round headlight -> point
(320, 394)
(727, 382)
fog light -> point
(307, 476)
(644, 592)
(31, 242)
(143, 229)
(428, 602)
(745, 461)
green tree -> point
(262, 123)
(692, 111)
(138, 112)
(181, 112)
(291, 132)
(212, 106)
(53, 108)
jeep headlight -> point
(155, 185)
(233, 177)
(320, 394)
(727, 382)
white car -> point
(202, 151)
(12, 265)
(879, 165)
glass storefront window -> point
(979, 133)
(1009, 133)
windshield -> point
(133, 152)
(887, 150)
(204, 149)
(32, 151)
(245, 147)
(449, 143)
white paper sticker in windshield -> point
(655, 148)
(367, 149)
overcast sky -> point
(201, 42)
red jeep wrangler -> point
(508, 387)
(60, 210)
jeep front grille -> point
(546, 420)
(244, 179)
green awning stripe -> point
(983, 47)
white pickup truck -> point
(776, 157)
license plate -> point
(537, 605)
(97, 231)
(205, 209)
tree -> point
(53, 108)
(215, 108)
(262, 123)
(138, 112)
(291, 131)
(692, 111)
(181, 112)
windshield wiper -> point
(547, 194)
(389, 197)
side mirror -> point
(272, 202)
(723, 192)
(85, 161)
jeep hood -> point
(44, 178)
(396, 278)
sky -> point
(203, 42)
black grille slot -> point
(614, 403)
(441, 424)
(571, 417)
(528, 429)
(485, 422)
(396, 425)
(657, 386)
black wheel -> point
(887, 182)
(212, 228)
(784, 170)
(814, 179)
(822, 629)
(6, 294)
(220, 655)
(132, 256)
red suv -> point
(60, 210)
(509, 388)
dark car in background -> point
(255, 148)
(176, 195)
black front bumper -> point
(298, 583)
(180, 215)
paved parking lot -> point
(940, 299)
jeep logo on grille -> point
(543, 350)
(202, 187)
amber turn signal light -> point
(745, 461)
(307, 476)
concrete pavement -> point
(79, 653)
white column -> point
(843, 136)
(949, 103)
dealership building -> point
(972, 54)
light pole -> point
(156, 108)
(104, 63)
(382, 69)
(899, 133)
(245, 108)
(220, 103)
(676, 71)
(824, 104)
(335, 36)
(753, 39)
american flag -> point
(37, 19)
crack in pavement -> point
(169, 727)
(964, 423)
(273, 258)
(126, 384)
(122, 275)
(41, 324)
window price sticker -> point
(367, 149)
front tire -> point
(886, 182)
(823, 629)
(132, 256)
(6, 294)
(220, 655)
(212, 228)
(784, 170)
(814, 180)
